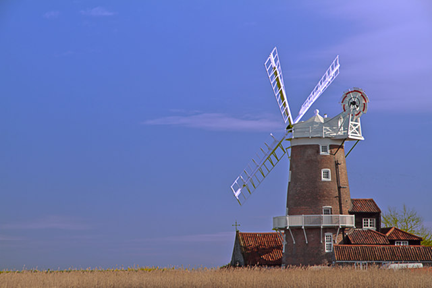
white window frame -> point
(369, 223)
(401, 243)
(326, 147)
(326, 170)
(328, 242)
(327, 208)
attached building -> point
(367, 243)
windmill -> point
(318, 197)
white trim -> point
(315, 141)
(328, 242)
(401, 243)
(325, 174)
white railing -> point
(318, 131)
(342, 126)
(284, 222)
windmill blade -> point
(331, 73)
(274, 72)
(258, 169)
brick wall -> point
(311, 253)
(307, 193)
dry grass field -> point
(239, 277)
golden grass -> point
(238, 277)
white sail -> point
(274, 72)
(331, 73)
(258, 169)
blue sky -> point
(124, 123)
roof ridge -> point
(275, 233)
(390, 230)
(403, 231)
(374, 231)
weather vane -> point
(236, 225)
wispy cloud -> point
(97, 12)
(51, 14)
(48, 222)
(213, 237)
(10, 238)
(217, 121)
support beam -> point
(304, 231)
(291, 235)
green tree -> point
(407, 219)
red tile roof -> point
(261, 248)
(364, 205)
(379, 253)
(394, 233)
(367, 237)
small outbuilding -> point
(257, 249)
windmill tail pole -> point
(351, 149)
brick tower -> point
(318, 197)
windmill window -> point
(325, 175)
(401, 243)
(328, 242)
(324, 150)
(369, 223)
(327, 210)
